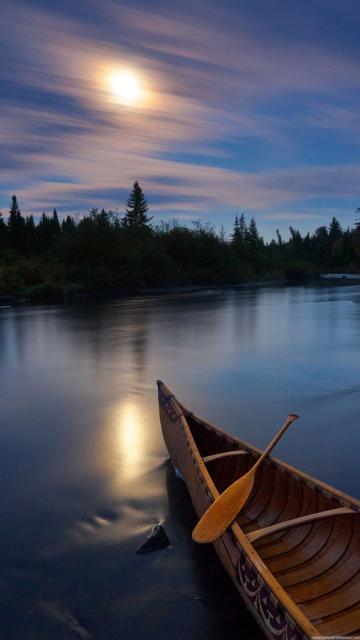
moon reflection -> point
(130, 434)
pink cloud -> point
(208, 77)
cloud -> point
(219, 130)
(289, 215)
(340, 119)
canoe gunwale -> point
(266, 580)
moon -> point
(126, 88)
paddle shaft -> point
(289, 420)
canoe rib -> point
(295, 522)
(225, 454)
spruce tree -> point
(235, 237)
(239, 231)
(16, 226)
(242, 228)
(55, 223)
(30, 232)
(335, 230)
(137, 208)
(14, 214)
(68, 225)
(3, 232)
(357, 221)
(43, 233)
(253, 238)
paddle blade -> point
(223, 510)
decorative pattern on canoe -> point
(165, 403)
(265, 604)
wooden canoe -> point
(293, 552)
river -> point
(84, 471)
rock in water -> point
(157, 539)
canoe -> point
(293, 552)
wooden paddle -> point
(227, 505)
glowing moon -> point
(126, 88)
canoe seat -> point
(225, 454)
(295, 522)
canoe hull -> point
(270, 615)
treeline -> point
(105, 252)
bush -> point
(45, 292)
(298, 271)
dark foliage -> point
(137, 208)
(102, 253)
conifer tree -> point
(43, 233)
(3, 232)
(14, 214)
(16, 226)
(253, 238)
(239, 231)
(242, 228)
(357, 221)
(55, 222)
(104, 218)
(235, 237)
(137, 208)
(335, 230)
(68, 225)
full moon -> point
(126, 88)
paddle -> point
(227, 505)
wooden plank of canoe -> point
(296, 522)
(225, 454)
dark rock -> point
(157, 539)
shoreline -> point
(62, 295)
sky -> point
(244, 106)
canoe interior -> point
(318, 564)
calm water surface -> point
(83, 467)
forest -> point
(104, 252)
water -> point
(83, 467)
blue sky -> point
(250, 106)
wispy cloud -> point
(339, 119)
(290, 215)
(225, 125)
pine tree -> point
(43, 233)
(30, 232)
(296, 243)
(235, 237)
(14, 214)
(253, 238)
(3, 232)
(335, 230)
(55, 223)
(104, 218)
(16, 226)
(242, 228)
(222, 234)
(68, 225)
(137, 208)
(357, 221)
(239, 231)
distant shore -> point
(51, 294)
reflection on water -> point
(82, 463)
(129, 439)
